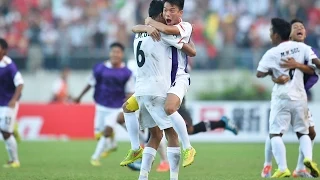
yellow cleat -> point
(97, 136)
(95, 162)
(188, 156)
(16, 133)
(12, 165)
(279, 174)
(312, 166)
(132, 156)
(108, 152)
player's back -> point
(294, 89)
(154, 66)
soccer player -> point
(172, 12)
(298, 34)
(154, 63)
(113, 84)
(289, 101)
(11, 85)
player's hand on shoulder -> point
(147, 20)
(289, 63)
(154, 33)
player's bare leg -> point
(171, 106)
(12, 149)
(150, 152)
(162, 150)
(103, 141)
(132, 125)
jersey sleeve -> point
(185, 29)
(15, 75)
(265, 62)
(172, 40)
(129, 87)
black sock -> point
(200, 127)
(217, 124)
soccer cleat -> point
(230, 125)
(266, 171)
(12, 164)
(163, 167)
(279, 174)
(132, 156)
(135, 166)
(108, 152)
(188, 156)
(98, 135)
(312, 166)
(95, 162)
(302, 173)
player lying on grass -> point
(298, 34)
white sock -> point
(179, 126)
(147, 160)
(162, 150)
(174, 155)
(12, 148)
(132, 125)
(142, 138)
(300, 165)
(306, 146)
(279, 152)
(100, 147)
(267, 153)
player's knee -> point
(170, 109)
(5, 135)
(312, 133)
(107, 131)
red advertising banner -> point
(56, 121)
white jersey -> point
(153, 76)
(271, 60)
(185, 29)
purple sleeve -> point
(315, 51)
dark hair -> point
(3, 44)
(296, 21)
(117, 44)
(281, 27)
(155, 8)
(179, 3)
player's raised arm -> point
(290, 63)
(153, 32)
(171, 30)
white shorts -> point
(285, 112)
(310, 118)
(180, 86)
(8, 118)
(105, 117)
(152, 112)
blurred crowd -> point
(228, 33)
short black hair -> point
(3, 44)
(117, 44)
(179, 3)
(155, 8)
(281, 27)
(296, 21)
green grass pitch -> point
(70, 161)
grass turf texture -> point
(70, 161)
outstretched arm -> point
(171, 30)
(84, 91)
